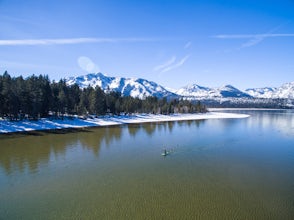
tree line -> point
(37, 96)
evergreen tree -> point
(110, 99)
(10, 102)
(97, 101)
(74, 93)
(83, 107)
(36, 96)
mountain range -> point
(135, 87)
(286, 91)
(141, 88)
(200, 92)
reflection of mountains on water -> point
(282, 120)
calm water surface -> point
(217, 169)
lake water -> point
(216, 169)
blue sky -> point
(174, 43)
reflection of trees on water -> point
(170, 125)
(181, 123)
(94, 139)
(111, 134)
(133, 129)
(149, 128)
(190, 123)
(199, 122)
(29, 152)
(166, 126)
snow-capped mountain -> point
(266, 92)
(200, 92)
(194, 90)
(286, 91)
(229, 91)
(138, 88)
(141, 88)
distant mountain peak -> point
(228, 86)
(286, 91)
(141, 88)
(196, 91)
(135, 87)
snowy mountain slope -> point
(266, 92)
(194, 90)
(201, 92)
(142, 88)
(229, 91)
(138, 88)
(286, 91)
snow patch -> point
(46, 124)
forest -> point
(36, 96)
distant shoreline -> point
(44, 124)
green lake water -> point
(216, 169)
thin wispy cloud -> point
(176, 65)
(244, 36)
(254, 39)
(60, 41)
(252, 42)
(172, 63)
(165, 64)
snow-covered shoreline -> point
(46, 124)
